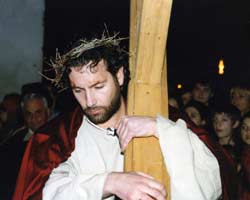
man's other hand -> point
(133, 186)
(135, 126)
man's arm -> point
(193, 169)
(67, 182)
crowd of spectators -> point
(224, 117)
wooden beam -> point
(149, 21)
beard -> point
(104, 112)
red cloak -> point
(54, 143)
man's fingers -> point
(153, 192)
(139, 185)
(152, 183)
(159, 187)
(122, 132)
(145, 197)
(153, 187)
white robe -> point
(193, 169)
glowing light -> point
(221, 67)
(179, 86)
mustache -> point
(88, 109)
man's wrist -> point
(109, 188)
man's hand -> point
(133, 186)
(135, 126)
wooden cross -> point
(149, 21)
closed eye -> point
(77, 90)
(99, 86)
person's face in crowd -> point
(245, 131)
(173, 102)
(201, 93)
(223, 125)
(35, 113)
(241, 101)
(194, 116)
(186, 97)
(97, 92)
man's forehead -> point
(91, 66)
(221, 115)
(34, 103)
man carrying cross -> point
(79, 155)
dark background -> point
(201, 32)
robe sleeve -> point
(67, 182)
(193, 169)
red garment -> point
(55, 142)
(245, 174)
(52, 145)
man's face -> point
(223, 125)
(35, 113)
(194, 116)
(241, 101)
(201, 93)
(186, 97)
(245, 130)
(98, 92)
(173, 102)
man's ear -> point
(120, 76)
(236, 124)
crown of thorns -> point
(58, 63)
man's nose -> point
(32, 116)
(217, 124)
(90, 99)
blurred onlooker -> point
(58, 102)
(197, 112)
(226, 119)
(173, 102)
(11, 102)
(10, 109)
(245, 159)
(38, 88)
(202, 91)
(174, 99)
(36, 113)
(186, 96)
(240, 97)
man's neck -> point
(116, 117)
